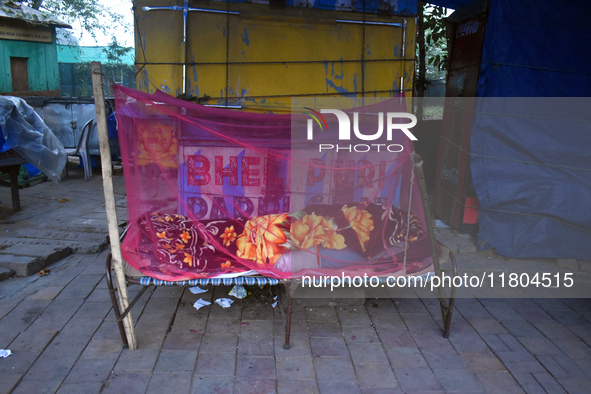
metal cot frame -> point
(122, 306)
(446, 303)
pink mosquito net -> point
(214, 192)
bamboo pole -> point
(101, 120)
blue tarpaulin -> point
(24, 131)
(531, 159)
(531, 169)
(536, 49)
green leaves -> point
(91, 14)
(435, 42)
(115, 52)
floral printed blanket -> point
(211, 247)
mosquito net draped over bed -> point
(214, 192)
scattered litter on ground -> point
(197, 290)
(238, 292)
(259, 294)
(200, 303)
(224, 302)
(62, 200)
(5, 353)
(244, 324)
(44, 272)
(274, 304)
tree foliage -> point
(436, 42)
(115, 52)
(91, 14)
(432, 56)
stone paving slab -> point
(28, 258)
(46, 233)
(5, 273)
(55, 220)
(380, 346)
(25, 265)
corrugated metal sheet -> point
(66, 117)
(262, 56)
(10, 10)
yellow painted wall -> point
(264, 56)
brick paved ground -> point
(62, 332)
(64, 338)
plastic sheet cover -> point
(536, 49)
(531, 167)
(214, 191)
(25, 132)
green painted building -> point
(28, 61)
(83, 54)
(74, 68)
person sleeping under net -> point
(323, 236)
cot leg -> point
(286, 346)
(116, 310)
(445, 304)
(448, 308)
(447, 320)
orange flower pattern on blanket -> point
(188, 259)
(228, 236)
(185, 237)
(178, 240)
(262, 238)
(217, 246)
(361, 221)
(312, 230)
